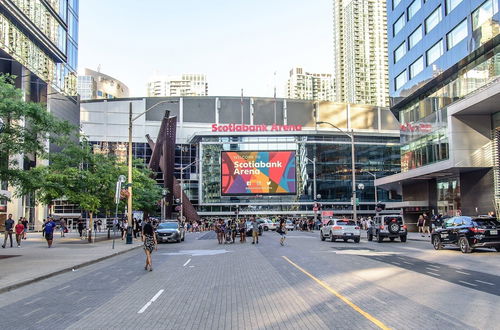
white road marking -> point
(150, 302)
(64, 287)
(185, 264)
(32, 301)
(468, 283)
(433, 274)
(33, 311)
(44, 318)
(395, 263)
(484, 282)
(433, 266)
(462, 272)
(113, 281)
(408, 263)
(191, 266)
(84, 311)
(85, 297)
(197, 253)
(380, 301)
(430, 268)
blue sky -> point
(236, 43)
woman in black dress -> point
(149, 239)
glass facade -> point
(415, 37)
(456, 35)
(423, 122)
(55, 61)
(378, 155)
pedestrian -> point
(62, 227)
(123, 228)
(49, 231)
(282, 231)
(99, 225)
(425, 226)
(243, 230)
(80, 228)
(19, 232)
(255, 231)
(149, 239)
(25, 224)
(420, 224)
(233, 231)
(217, 230)
(9, 227)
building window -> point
(400, 23)
(456, 35)
(451, 4)
(415, 37)
(433, 20)
(413, 8)
(434, 52)
(400, 52)
(416, 67)
(482, 14)
(400, 80)
(395, 3)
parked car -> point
(391, 226)
(467, 233)
(170, 231)
(340, 229)
(267, 224)
(289, 225)
(250, 228)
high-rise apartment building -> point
(94, 85)
(39, 45)
(182, 85)
(360, 52)
(309, 86)
(444, 69)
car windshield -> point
(346, 223)
(168, 225)
(487, 222)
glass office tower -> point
(443, 76)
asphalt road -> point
(306, 284)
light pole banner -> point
(258, 173)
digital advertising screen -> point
(258, 173)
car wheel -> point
(321, 236)
(436, 242)
(345, 240)
(463, 243)
(392, 239)
(356, 240)
(403, 238)
(331, 237)
(266, 228)
(379, 238)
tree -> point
(25, 129)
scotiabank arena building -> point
(262, 156)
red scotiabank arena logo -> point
(421, 127)
(254, 128)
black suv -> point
(391, 226)
(467, 233)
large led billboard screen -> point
(258, 173)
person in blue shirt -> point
(49, 231)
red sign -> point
(254, 128)
(327, 214)
(421, 127)
(3, 208)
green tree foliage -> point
(26, 129)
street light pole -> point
(129, 181)
(353, 166)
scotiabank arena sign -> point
(254, 128)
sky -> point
(236, 43)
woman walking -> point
(19, 232)
(282, 231)
(149, 239)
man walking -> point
(255, 231)
(9, 227)
(49, 231)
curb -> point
(64, 270)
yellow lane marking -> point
(341, 297)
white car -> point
(340, 229)
(267, 224)
(289, 225)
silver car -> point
(340, 229)
(170, 231)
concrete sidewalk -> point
(34, 261)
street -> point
(306, 284)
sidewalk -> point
(34, 261)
